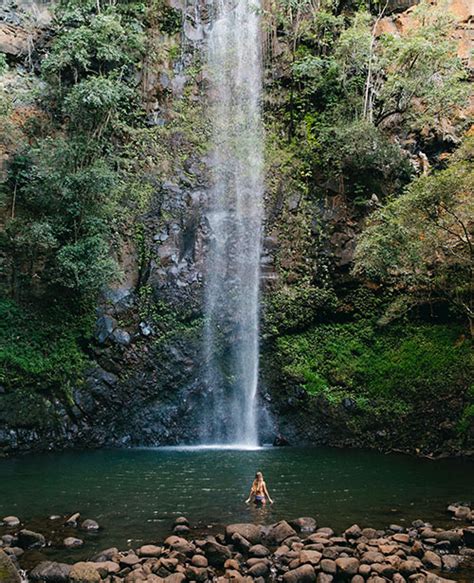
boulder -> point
(325, 531)
(353, 532)
(106, 568)
(8, 571)
(90, 525)
(232, 564)
(180, 544)
(201, 561)
(365, 570)
(50, 572)
(316, 539)
(27, 539)
(71, 542)
(198, 574)
(259, 551)
(328, 566)
(453, 536)
(149, 551)
(250, 532)
(451, 562)
(304, 524)
(357, 579)
(175, 578)
(311, 557)
(216, 553)
(432, 578)
(231, 575)
(347, 566)
(462, 513)
(181, 521)
(324, 578)
(408, 567)
(432, 560)
(11, 521)
(181, 530)
(106, 555)
(259, 569)
(278, 532)
(129, 560)
(303, 574)
(369, 533)
(73, 519)
(401, 538)
(84, 573)
(241, 543)
(372, 557)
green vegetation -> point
(350, 91)
(349, 113)
(387, 372)
(422, 241)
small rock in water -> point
(181, 520)
(304, 524)
(11, 521)
(72, 542)
(181, 529)
(73, 520)
(27, 539)
(462, 513)
(90, 524)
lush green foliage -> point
(351, 90)
(423, 239)
(385, 371)
(62, 191)
(41, 350)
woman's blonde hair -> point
(258, 478)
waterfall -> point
(234, 215)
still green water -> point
(136, 494)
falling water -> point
(235, 222)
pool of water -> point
(136, 494)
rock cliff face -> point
(144, 386)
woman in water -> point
(259, 491)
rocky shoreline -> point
(295, 551)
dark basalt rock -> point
(27, 539)
(50, 572)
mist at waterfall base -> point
(136, 494)
(234, 217)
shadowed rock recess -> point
(121, 144)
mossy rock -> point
(8, 571)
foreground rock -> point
(285, 552)
(8, 571)
(49, 572)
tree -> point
(422, 243)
